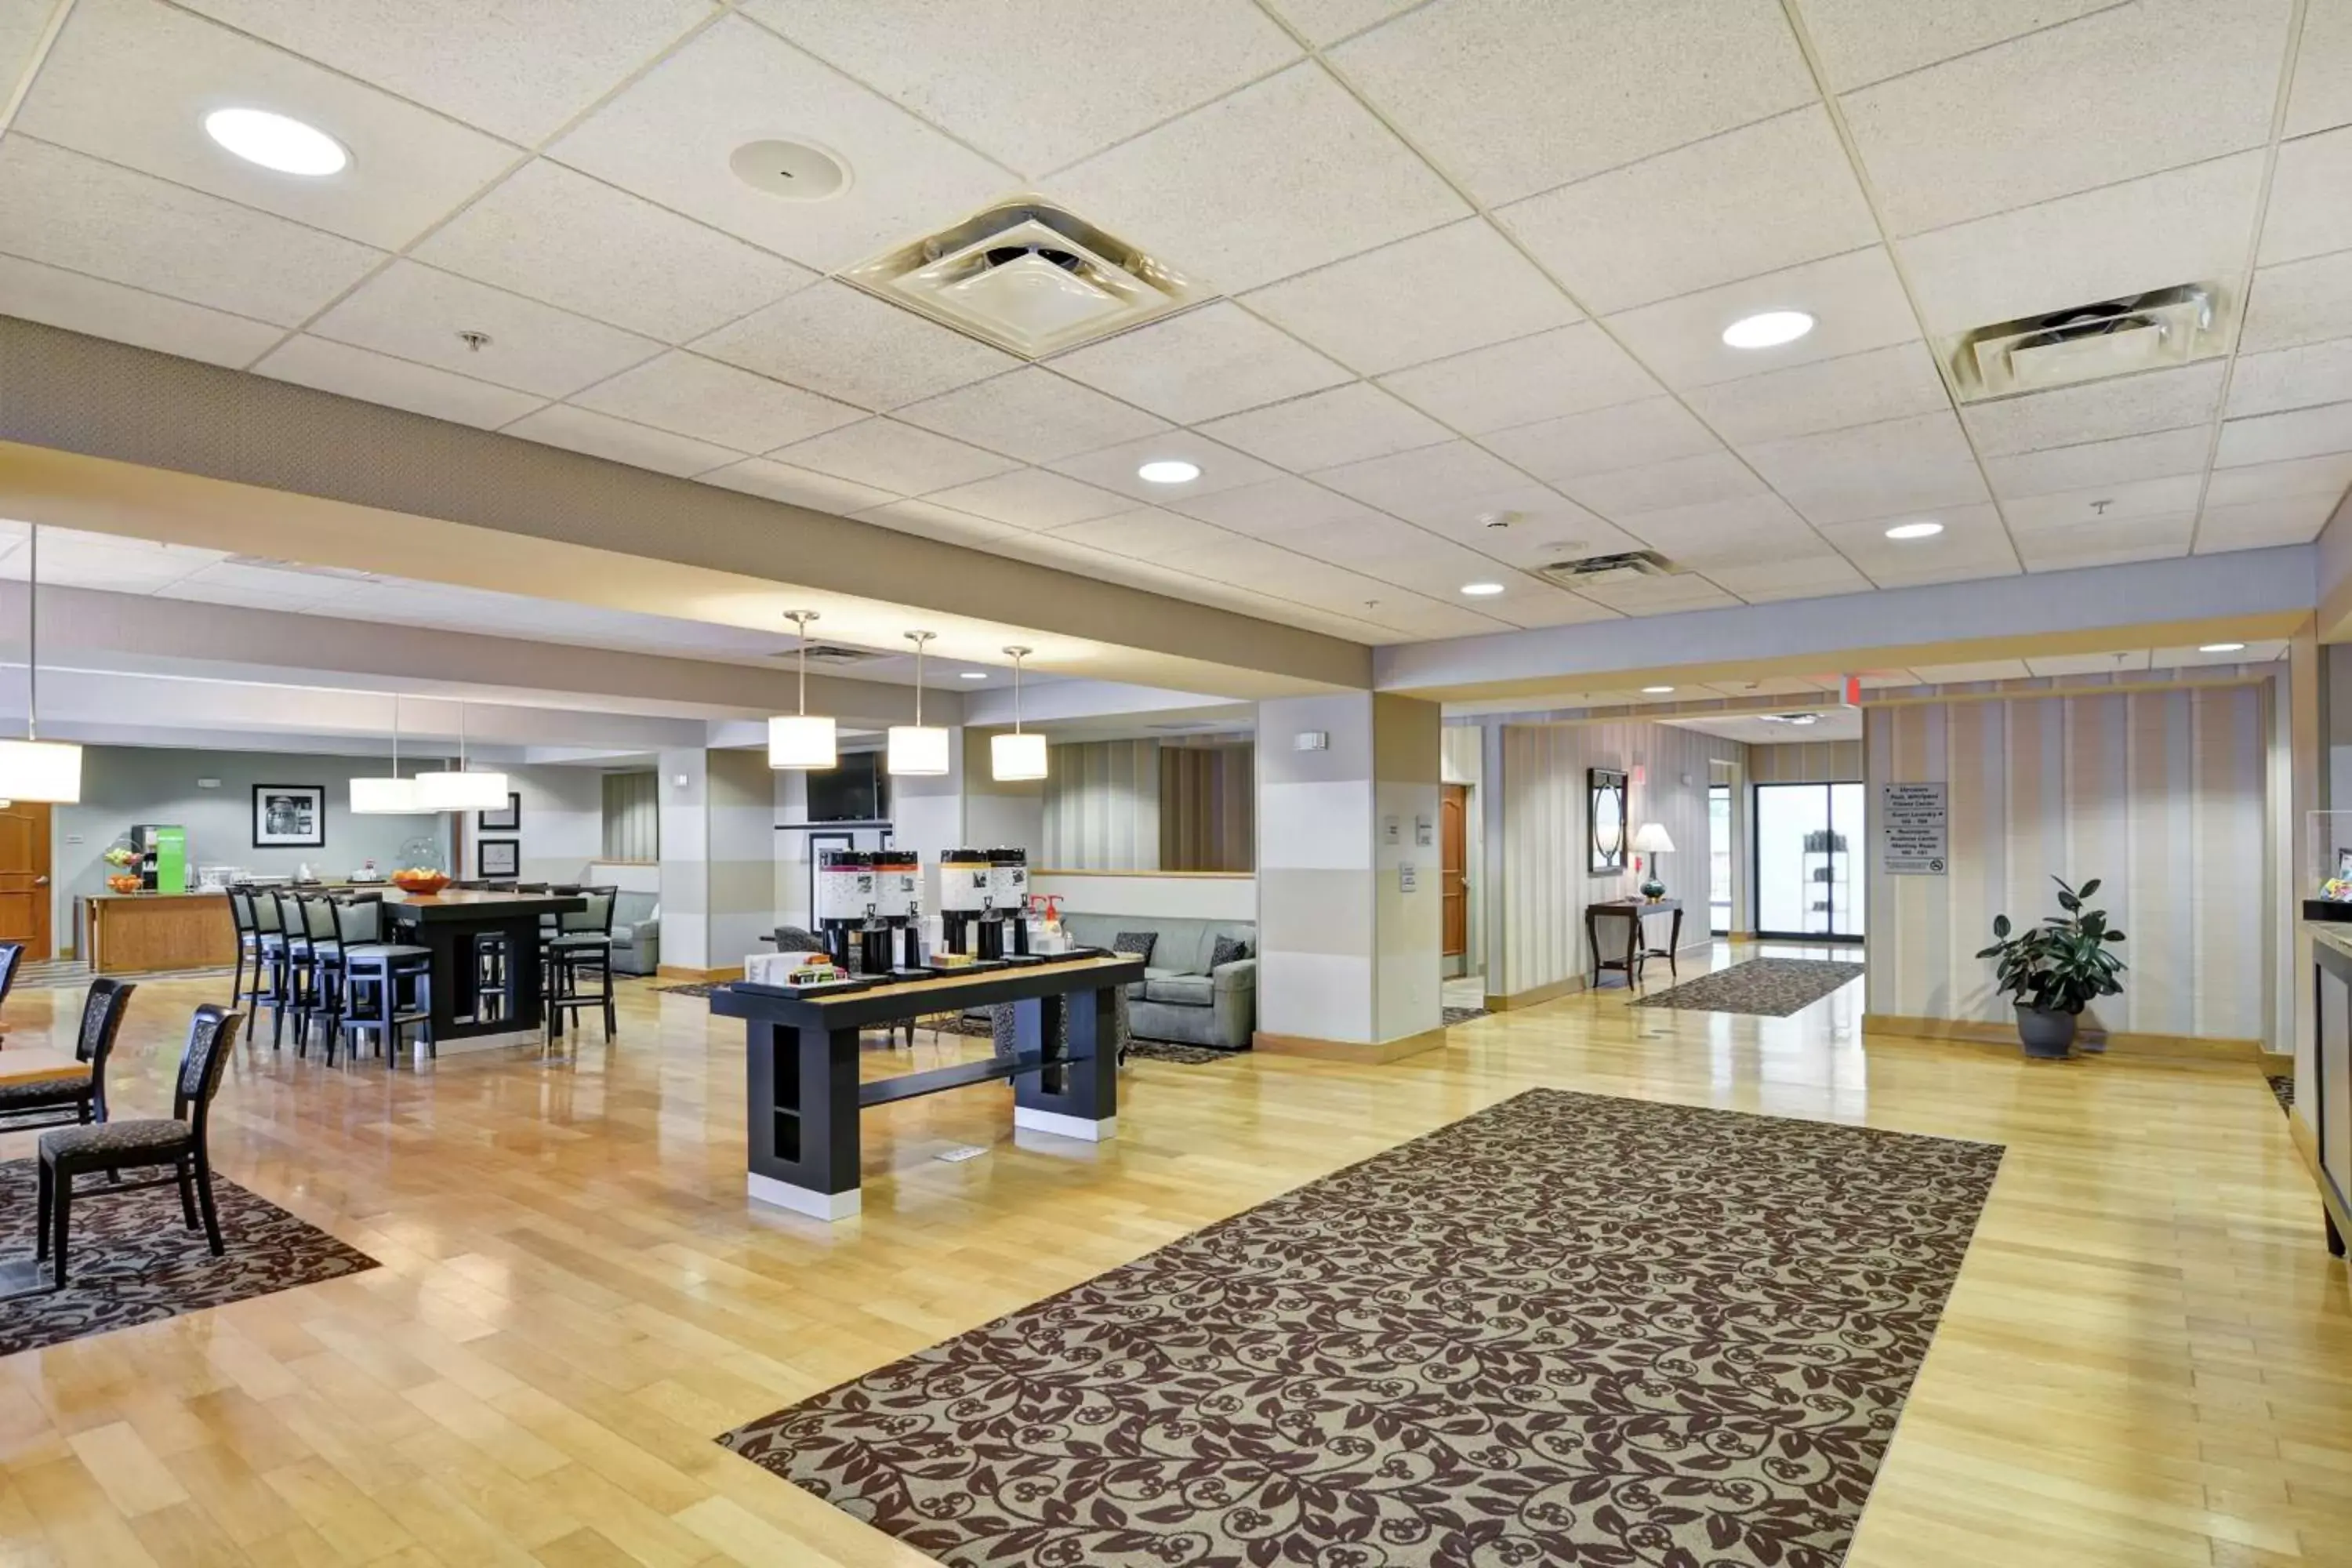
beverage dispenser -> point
(845, 904)
(965, 877)
(898, 903)
(1008, 902)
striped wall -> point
(562, 823)
(741, 840)
(1102, 807)
(1539, 942)
(1808, 761)
(2160, 795)
(682, 781)
(1208, 807)
(632, 817)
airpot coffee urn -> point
(845, 898)
(1008, 903)
(898, 902)
(965, 877)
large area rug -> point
(1572, 1328)
(1772, 987)
(133, 1261)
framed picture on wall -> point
(1604, 821)
(508, 820)
(495, 859)
(289, 816)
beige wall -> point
(1102, 807)
(1810, 761)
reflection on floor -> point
(2144, 1361)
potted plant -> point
(2056, 969)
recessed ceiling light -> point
(2222, 647)
(1655, 690)
(274, 141)
(1169, 471)
(975, 675)
(1915, 531)
(1482, 590)
(1768, 329)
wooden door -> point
(25, 876)
(1454, 887)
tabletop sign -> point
(1911, 824)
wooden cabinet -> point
(136, 933)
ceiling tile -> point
(1413, 485)
(2257, 525)
(1802, 577)
(2087, 664)
(1359, 542)
(1761, 199)
(2301, 302)
(1828, 395)
(1148, 533)
(2124, 92)
(2056, 468)
(983, 69)
(1856, 302)
(2323, 70)
(2107, 543)
(796, 487)
(1629, 435)
(1032, 498)
(1216, 360)
(1032, 415)
(2097, 411)
(131, 80)
(1323, 429)
(1278, 506)
(81, 304)
(519, 68)
(1114, 468)
(1568, 370)
(1513, 97)
(1551, 607)
(2283, 379)
(669, 135)
(1861, 41)
(1327, 21)
(1918, 464)
(1540, 527)
(2103, 503)
(2185, 226)
(892, 456)
(1445, 293)
(1748, 530)
(22, 23)
(1973, 544)
(1971, 674)
(601, 435)
(76, 213)
(1623, 493)
(690, 396)
(413, 312)
(2272, 438)
(1661, 595)
(558, 235)
(1286, 175)
(2307, 214)
(395, 382)
(833, 339)
(2297, 477)
(928, 519)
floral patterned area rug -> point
(1772, 987)
(1572, 1327)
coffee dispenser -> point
(844, 911)
(965, 880)
(899, 904)
(1008, 902)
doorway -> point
(1454, 873)
(1718, 859)
(25, 897)
(1808, 861)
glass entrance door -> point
(1809, 860)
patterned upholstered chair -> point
(116, 1146)
(26, 1106)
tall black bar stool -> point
(581, 946)
(287, 947)
(386, 985)
(242, 920)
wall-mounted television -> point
(857, 790)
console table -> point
(1633, 912)
(800, 1061)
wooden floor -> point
(2147, 1360)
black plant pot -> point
(2046, 1034)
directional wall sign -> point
(1912, 819)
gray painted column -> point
(684, 859)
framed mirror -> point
(1604, 820)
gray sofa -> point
(1179, 998)
(637, 933)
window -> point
(1718, 858)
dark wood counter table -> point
(801, 1062)
(450, 922)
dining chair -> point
(12, 954)
(113, 1147)
(580, 945)
(375, 972)
(26, 1106)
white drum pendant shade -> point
(802, 741)
(40, 769)
(461, 790)
(385, 797)
(1016, 757)
(918, 750)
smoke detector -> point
(1029, 277)
(2116, 337)
(1602, 571)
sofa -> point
(637, 933)
(1180, 997)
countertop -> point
(2337, 934)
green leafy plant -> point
(2064, 965)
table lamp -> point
(1652, 841)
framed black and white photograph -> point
(510, 820)
(497, 858)
(289, 816)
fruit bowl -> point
(419, 879)
(124, 884)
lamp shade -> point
(802, 741)
(41, 770)
(918, 750)
(384, 797)
(1021, 756)
(461, 790)
(1651, 839)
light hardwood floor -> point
(2146, 1361)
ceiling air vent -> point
(2092, 342)
(1599, 570)
(830, 653)
(1029, 277)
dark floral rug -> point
(1463, 1014)
(2283, 1085)
(1772, 987)
(133, 1259)
(1570, 1329)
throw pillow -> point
(1138, 944)
(1229, 950)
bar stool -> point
(320, 966)
(287, 947)
(374, 974)
(248, 944)
(582, 942)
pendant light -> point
(1017, 756)
(916, 749)
(802, 740)
(455, 789)
(394, 796)
(31, 768)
